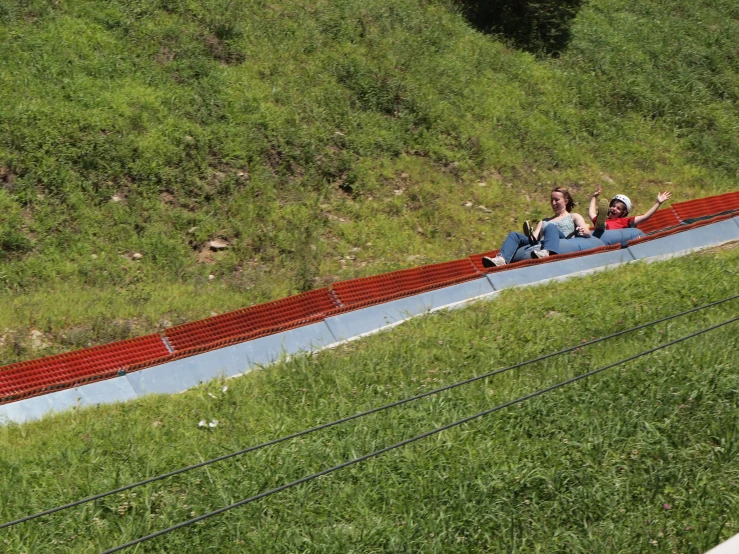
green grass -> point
(642, 458)
(323, 140)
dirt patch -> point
(733, 245)
(168, 198)
(120, 196)
(222, 50)
(7, 178)
(165, 55)
(208, 255)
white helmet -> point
(623, 198)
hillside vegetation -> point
(643, 457)
(320, 140)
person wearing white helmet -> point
(563, 233)
(614, 216)
(624, 200)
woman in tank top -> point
(562, 225)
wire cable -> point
(409, 441)
(354, 416)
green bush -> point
(539, 26)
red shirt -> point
(620, 223)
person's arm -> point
(537, 231)
(662, 197)
(593, 207)
(581, 228)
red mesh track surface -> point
(221, 343)
(397, 295)
(282, 314)
(664, 218)
(35, 377)
(403, 282)
(703, 207)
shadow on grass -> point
(538, 26)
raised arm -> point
(593, 207)
(662, 197)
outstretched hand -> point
(663, 197)
(598, 190)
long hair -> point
(568, 198)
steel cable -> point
(409, 441)
(354, 416)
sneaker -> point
(600, 219)
(539, 253)
(487, 261)
(528, 230)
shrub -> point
(538, 26)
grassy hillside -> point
(641, 458)
(320, 140)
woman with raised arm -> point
(562, 233)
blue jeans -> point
(517, 246)
(550, 237)
(618, 236)
(566, 246)
(512, 243)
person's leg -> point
(619, 236)
(525, 253)
(578, 244)
(513, 242)
(549, 238)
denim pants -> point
(513, 242)
(618, 236)
(517, 246)
(550, 237)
